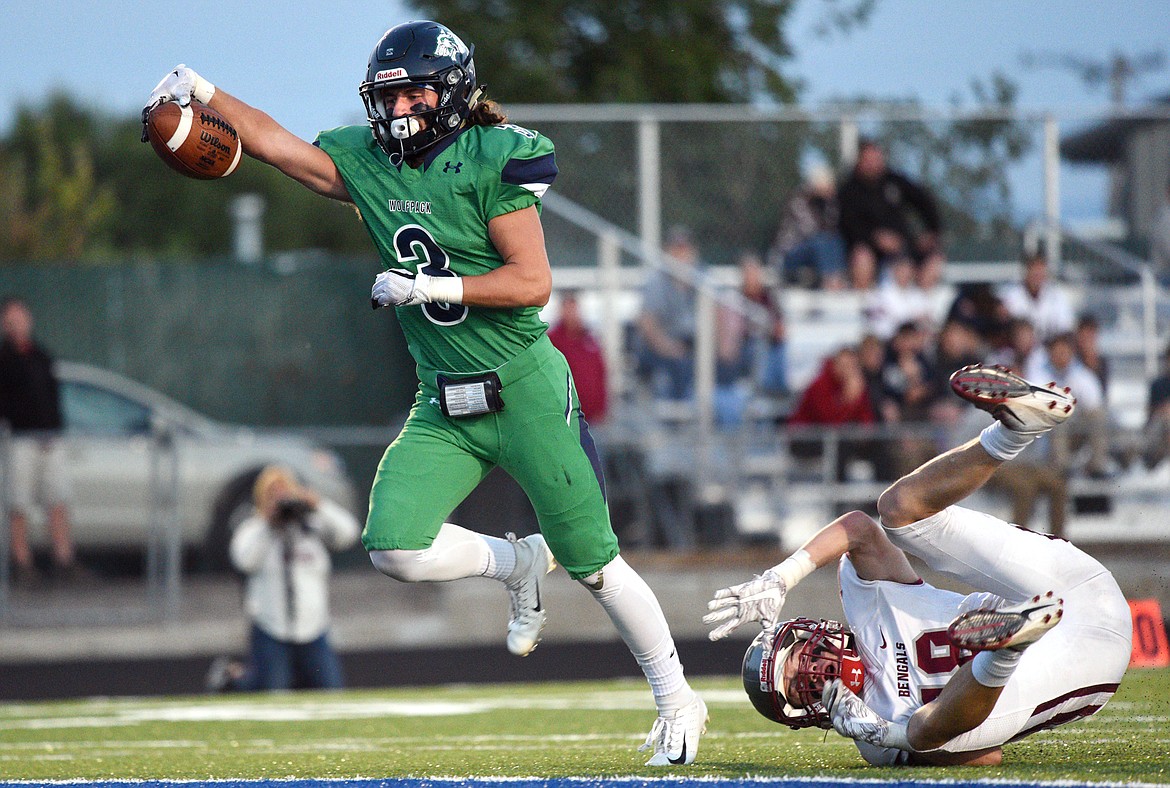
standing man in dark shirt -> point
(876, 206)
(30, 404)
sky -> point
(302, 61)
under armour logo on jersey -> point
(452, 166)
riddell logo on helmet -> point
(391, 73)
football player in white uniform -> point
(923, 675)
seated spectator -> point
(1040, 300)
(898, 300)
(666, 325)
(1157, 432)
(1028, 477)
(774, 368)
(957, 345)
(1087, 338)
(979, 306)
(906, 375)
(906, 397)
(770, 351)
(928, 275)
(836, 397)
(809, 249)
(586, 359)
(1090, 422)
(1022, 351)
(879, 209)
(746, 350)
(871, 354)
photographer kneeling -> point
(283, 548)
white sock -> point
(994, 668)
(501, 558)
(1003, 443)
(636, 614)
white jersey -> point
(900, 628)
(901, 634)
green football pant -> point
(539, 439)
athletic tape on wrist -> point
(203, 90)
(795, 568)
(448, 289)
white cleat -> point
(526, 617)
(1014, 627)
(675, 739)
(1021, 406)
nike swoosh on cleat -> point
(1031, 610)
(682, 758)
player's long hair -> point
(487, 113)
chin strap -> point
(474, 99)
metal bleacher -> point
(744, 483)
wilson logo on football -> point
(215, 121)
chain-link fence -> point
(292, 341)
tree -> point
(79, 185)
(585, 51)
(54, 205)
(725, 180)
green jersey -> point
(434, 220)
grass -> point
(546, 730)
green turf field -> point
(547, 730)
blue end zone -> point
(567, 782)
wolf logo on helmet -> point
(419, 54)
(786, 667)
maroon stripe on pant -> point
(1067, 716)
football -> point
(194, 140)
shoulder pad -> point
(530, 160)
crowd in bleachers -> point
(877, 236)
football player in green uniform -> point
(450, 194)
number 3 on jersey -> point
(413, 244)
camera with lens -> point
(291, 510)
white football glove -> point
(181, 85)
(398, 287)
(759, 599)
(853, 719)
